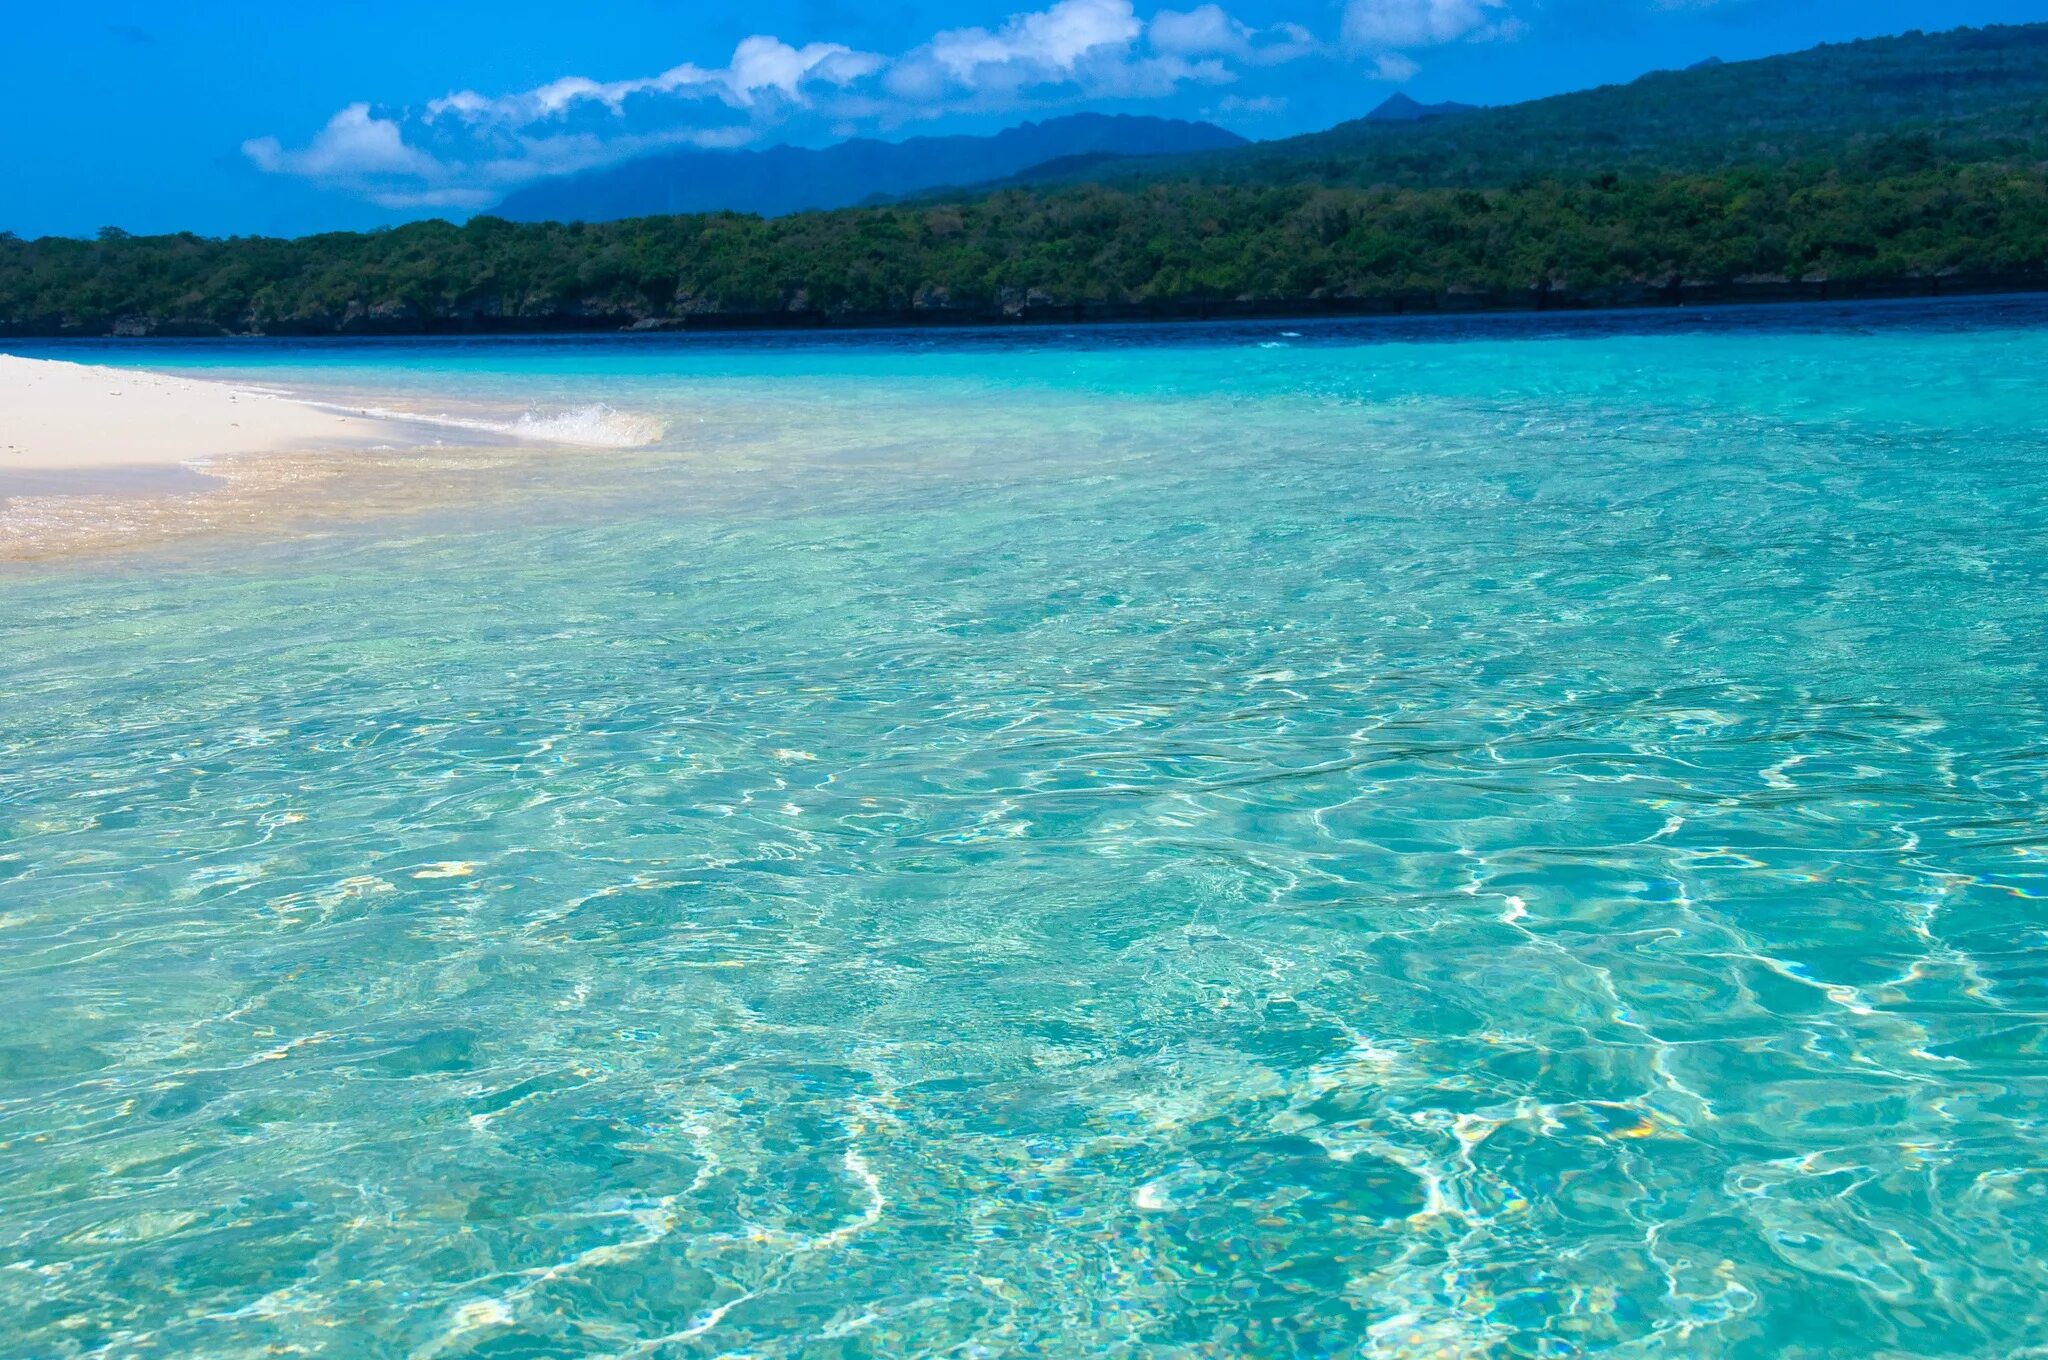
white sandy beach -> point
(60, 417)
(95, 458)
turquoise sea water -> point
(1502, 839)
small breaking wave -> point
(598, 425)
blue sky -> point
(239, 116)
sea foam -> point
(597, 425)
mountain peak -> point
(1399, 108)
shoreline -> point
(1411, 305)
(60, 419)
(96, 459)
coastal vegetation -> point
(1164, 245)
(1912, 164)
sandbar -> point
(65, 417)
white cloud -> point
(1050, 46)
(1380, 25)
(1057, 38)
(353, 143)
(1075, 49)
(483, 145)
(1388, 30)
(760, 65)
(369, 156)
(458, 200)
(1258, 106)
(466, 148)
(1396, 67)
(1285, 42)
(1198, 32)
(1209, 30)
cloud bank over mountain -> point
(465, 149)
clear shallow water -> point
(1479, 840)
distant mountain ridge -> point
(781, 180)
(1400, 108)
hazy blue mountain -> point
(787, 179)
(1399, 108)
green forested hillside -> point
(1876, 106)
(1930, 177)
